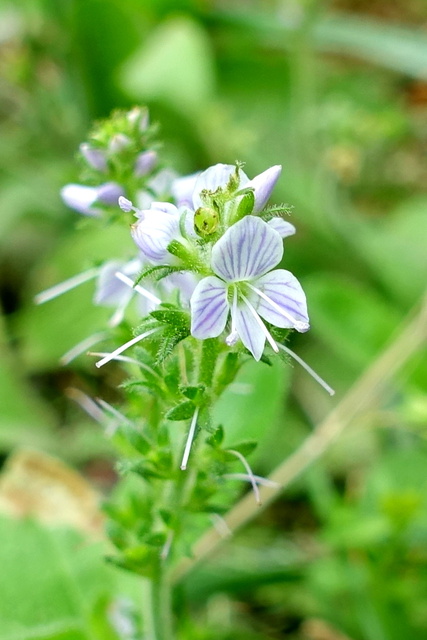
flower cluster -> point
(215, 231)
(204, 268)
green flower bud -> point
(206, 221)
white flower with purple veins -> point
(245, 286)
(188, 190)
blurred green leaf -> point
(351, 318)
(55, 586)
(174, 65)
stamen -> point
(308, 369)
(232, 338)
(127, 206)
(167, 546)
(82, 346)
(66, 285)
(250, 474)
(87, 404)
(138, 288)
(130, 343)
(119, 313)
(298, 324)
(265, 482)
(190, 439)
(261, 324)
(142, 365)
(115, 412)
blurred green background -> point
(334, 91)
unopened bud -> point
(94, 157)
(206, 221)
(145, 162)
(118, 143)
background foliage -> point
(336, 92)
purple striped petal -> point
(287, 296)
(154, 231)
(209, 308)
(214, 177)
(247, 250)
(283, 228)
(250, 332)
(263, 185)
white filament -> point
(301, 326)
(66, 285)
(308, 369)
(261, 324)
(190, 439)
(138, 288)
(130, 343)
(250, 474)
(82, 346)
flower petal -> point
(154, 231)
(263, 185)
(209, 308)
(182, 189)
(214, 177)
(81, 198)
(249, 330)
(283, 228)
(287, 295)
(247, 250)
(110, 291)
(109, 193)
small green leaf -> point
(216, 439)
(136, 439)
(193, 392)
(245, 448)
(182, 411)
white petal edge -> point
(283, 228)
(263, 184)
(289, 308)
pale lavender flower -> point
(145, 162)
(155, 229)
(96, 158)
(263, 185)
(188, 190)
(245, 286)
(84, 199)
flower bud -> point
(205, 221)
(94, 157)
(118, 143)
(145, 162)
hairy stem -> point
(157, 608)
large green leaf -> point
(54, 586)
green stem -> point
(157, 607)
